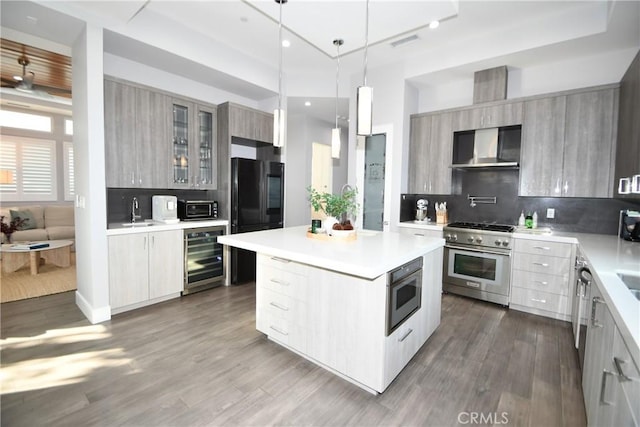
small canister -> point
(315, 225)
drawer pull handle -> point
(280, 282)
(418, 234)
(542, 264)
(594, 321)
(286, 261)
(544, 248)
(603, 387)
(544, 301)
(404, 337)
(281, 307)
(619, 362)
(542, 282)
(278, 330)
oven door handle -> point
(484, 251)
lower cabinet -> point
(610, 378)
(420, 232)
(542, 277)
(144, 268)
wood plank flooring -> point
(198, 360)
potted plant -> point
(339, 208)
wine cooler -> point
(204, 263)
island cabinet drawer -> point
(420, 232)
(537, 247)
(400, 347)
(541, 282)
(628, 374)
(281, 317)
(541, 300)
(542, 264)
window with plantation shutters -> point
(69, 185)
(32, 163)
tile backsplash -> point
(582, 215)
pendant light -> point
(279, 115)
(365, 93)
(335, 133)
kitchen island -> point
(329, 302)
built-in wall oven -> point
(204, 261)
(404, 293)
(477, 261)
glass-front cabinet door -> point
(193, 147)
(180, 147)
(205, 178)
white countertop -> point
(118, 229)
(370, 255)
(424, 225)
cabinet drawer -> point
(283, 282)
(629, 377)
(282, 318)
(541, 300)
(421, 232)
(555, 249)
(541, 282)
(542, 264)
(400, 347)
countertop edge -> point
(117, 229)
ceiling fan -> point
(25, 82)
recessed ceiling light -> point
(286, 43)
(307, 104)
(434, 24)
(17, 78)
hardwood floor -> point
(198, 360)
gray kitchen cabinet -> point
(250, 124)
(590, 135)
(568, 143)
(628, 145)
(503, 114)
(430, 152)
(144, 268)
(134, 136)
(490, 85)
(193, 146)
(542, 146)
(120, 134)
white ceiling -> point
(473, 35)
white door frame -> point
(386, 129)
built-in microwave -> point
(197, 209)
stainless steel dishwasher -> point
(204, 261)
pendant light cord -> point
(337, 43)
(366, 44)
(280, 58)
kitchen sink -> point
(136, 224)
(632, 281)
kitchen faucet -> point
(134, 208)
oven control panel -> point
(484, 239)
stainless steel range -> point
(477, 260)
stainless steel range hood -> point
(485, 152)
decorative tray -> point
(339, 237)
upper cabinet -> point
(430, 151)
(628, 147)
(153, 140)
(568, 144)
(193, 148)
(135, 129)
(503, 114)
(250, 124)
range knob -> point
(505, 243)
(498, 242)
(478, 239)
(454, 237)
(470, 239)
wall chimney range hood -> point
(487, 148)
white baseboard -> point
(95, 315)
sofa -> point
(52, 222)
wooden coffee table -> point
(57, 253)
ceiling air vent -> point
(405, 40)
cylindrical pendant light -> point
(279, 115)
(335, 133)
(365, 93)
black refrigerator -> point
(257, 203)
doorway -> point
(321, 172)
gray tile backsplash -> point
(583, 215)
